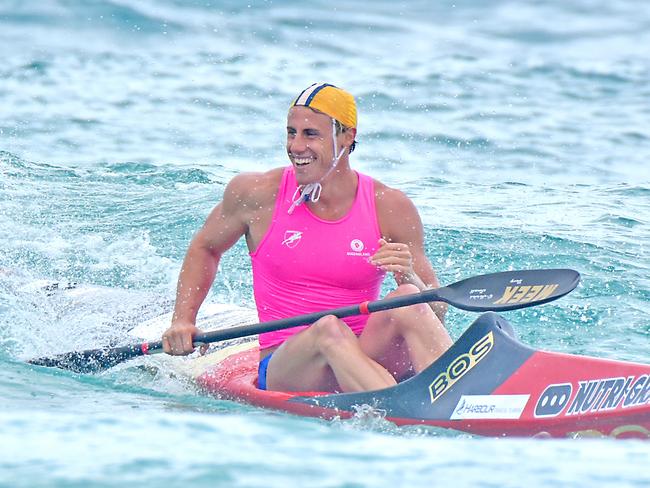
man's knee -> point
(406, 289)
(410, 290)
(411, 316)
(331, 332)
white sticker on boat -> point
(490, 407)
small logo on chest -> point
(357, 247)
(292, 238)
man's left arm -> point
(402, 249)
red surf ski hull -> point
(487, 384)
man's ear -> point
(350, 134)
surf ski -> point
(488, 383)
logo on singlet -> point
(356, 245)
(292, 238)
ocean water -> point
(519, 128)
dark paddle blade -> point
(508, 290)
(92, 360)
(503, 291)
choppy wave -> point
(192, 89)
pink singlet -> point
(306, 264)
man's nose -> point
(298, 144)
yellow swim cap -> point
(330, 100)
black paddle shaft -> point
(508, 290)
(504, 291)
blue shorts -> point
(261, 372)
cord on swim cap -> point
(305, 193)
(311, 191)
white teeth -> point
(301, 161)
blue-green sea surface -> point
(519, 129)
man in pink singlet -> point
(320, 236)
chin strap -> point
(311, 191)
(305, 193)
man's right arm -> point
(222, 229)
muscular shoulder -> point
(396, 213)
(391, 201)
(249, 192)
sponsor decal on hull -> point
(598, 395)
(460, 366)
(553, 400)
(490, 407)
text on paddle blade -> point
(526, 293)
